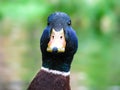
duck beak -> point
(57, 41)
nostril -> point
(55, 50)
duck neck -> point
(58, 63)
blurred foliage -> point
(97, 24)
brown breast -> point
(49, 81)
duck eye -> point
(69, 23)
(48, 23)
(61, 37)
(53, 37)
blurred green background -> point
(96, 65)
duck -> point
(58, 44)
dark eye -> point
(48, 23)
(69, 23)
(61, 37)
(53, 37)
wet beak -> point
(57, 41)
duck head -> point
(58, 42)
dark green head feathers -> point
(58, 42)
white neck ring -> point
(55, 71)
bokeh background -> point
(96, 65)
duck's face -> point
(57, 23)
(57, 41)
(58, 37)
